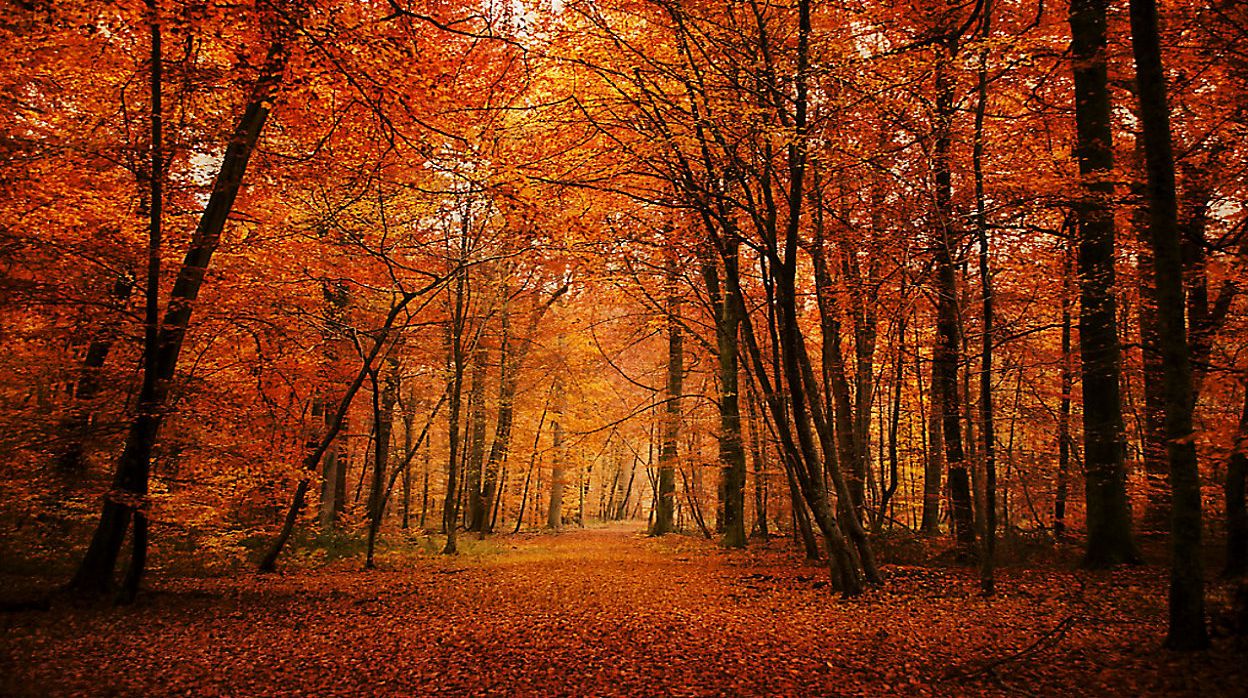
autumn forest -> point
(623, 347)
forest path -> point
(604, 611)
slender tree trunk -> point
(454, 342)
(987, 571)
(424, 488)
(1187, 592)
(948, 330)
(727, 308)
(1063, 411)
(77, 422)
(666, 492)
(478, 508)
(1109, 513)
(558, 469)
(330, 495)
(756, 456)
(384, 398)
(934, 462)
(894, 425)
(409, 415)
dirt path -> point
(605, 611)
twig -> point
(1045, 641)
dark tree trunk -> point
(501, 443)
(1109, 513)
(666, 493)
(559, 466)
(894, 425)
(756, 456)
(478, 508)
(1153, 438)
(409, 417)
(77, 422)
(95, 573)
(801, 516)
(948, 330)
(933, 463)
(1187, 596)
(987, 571)
(726, 307)
(1236, 513)
(454, 342)
(384, 398)
(1063, 410)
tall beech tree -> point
(947, 351)
(1187, 594)
(1109, 513)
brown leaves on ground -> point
(612, 612)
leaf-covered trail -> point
(608, 611)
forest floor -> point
(608, 611)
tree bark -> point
(987, 428)
(1187, 593)
(558, 468)
(1063, 410)
(76, 424)
(1109, 513)
(726, 307)
(948, 330)
(933, 463)
(1236, 512)
(384, 398)
(478, 508)
(670, 427)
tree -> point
(1187, 596)
(1109, 516)
(95, 572)
(669, 424)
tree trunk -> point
(666, 492)
(756, 456)
(948, 330)
(1063, 411)
(77, 422)
(384, 399)
(454, 344)
(1236, 513)
(987, 571)
(726, 307)
(1153, 438)
(1187, 596)
(558, 468)
(95, 572)
(478, 508)
(934, 462)
(1109, 513)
